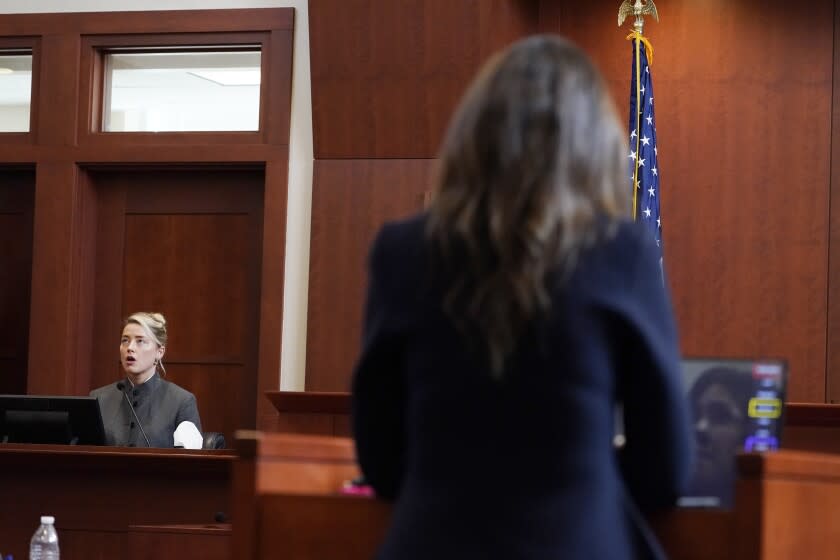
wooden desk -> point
(308, 412)
(176, 542)
(291, 466)
(812, 427)
(97, 493)
(786, 508)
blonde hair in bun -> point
(155, 326)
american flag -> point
(644, 171)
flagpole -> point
(638, 9)
(638, 52)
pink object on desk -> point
(351, 489)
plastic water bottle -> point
(44, 543)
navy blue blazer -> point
(524, 467)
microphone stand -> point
(122, 387)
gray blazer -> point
(160, 406)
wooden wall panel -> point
(387, 75)
(175, 542)
(59, 274)
(272, 282)
(744, 133)
(743, 126)
(194, 266)
(350, 201)
(17, 191)
(223, 392)
(833, 328)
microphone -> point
(121, 386)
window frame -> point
(94, 92)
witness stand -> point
(282, 493)
(100, 495)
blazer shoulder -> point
(398, 237)
(104, 391)
(630, 240)
(176, 391)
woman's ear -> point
(161, 351)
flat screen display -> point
(736, 406)
(50, 419)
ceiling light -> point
(230, 77)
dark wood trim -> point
(94, 87)
(812, 414)
(167, 21)
(209, 459)
(309, 402)
(275, 87)
(832, 372)
(33, 45)
(275, 204)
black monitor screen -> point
(50, 419)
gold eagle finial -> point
(639, 9)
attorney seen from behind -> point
(504, 325)
(164, 414)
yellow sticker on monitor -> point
(765, 408)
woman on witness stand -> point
(504, 325)
(160, 406)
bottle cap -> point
(47, 519)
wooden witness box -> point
(281, 492)
(97, 494)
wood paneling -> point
(296, 525)
(833, 320)
(387, 75)
(283, 463)
(350, 202)
(744, 134)
(187, 244)
(17, 191)
(175, 542)
(57, 334)
(744, 128)
(273, 267)
(222, 392)
(169, 21)
(311, 412)
(196, 267)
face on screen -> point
(718, 430)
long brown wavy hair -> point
(532, 171)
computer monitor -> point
(50, 419)
(736, 405)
